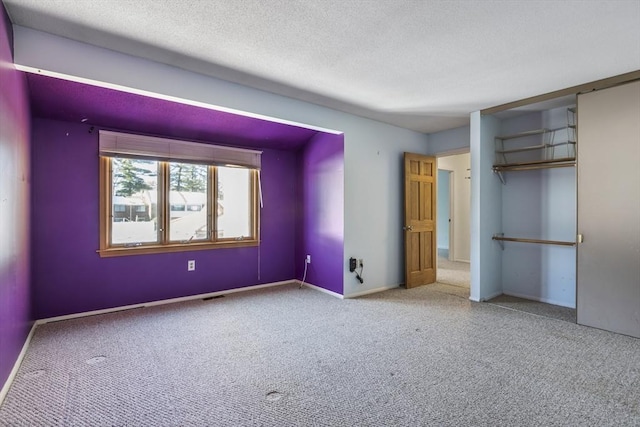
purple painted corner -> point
(321, 216)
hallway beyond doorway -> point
(454, 272)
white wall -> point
(461, 218)
(374, 181)
(539, 204)
(373, 150)
(452, 140)
(486, 210)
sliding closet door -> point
(609, 209)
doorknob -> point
(407, 228)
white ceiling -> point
(419, 64)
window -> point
(151, 202)
(234, 197)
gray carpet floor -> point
(454, 278)
(297, 357)
(534, 307)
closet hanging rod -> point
(544, 242)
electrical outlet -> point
(352, 264)
(360, 263)
(308, 260)
(191, 265)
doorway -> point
(454, 222)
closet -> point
(556, 204)
(534, 159)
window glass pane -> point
(134, 201)
(188, 210)
(234, 203)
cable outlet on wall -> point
(308, 260)
(191, 265)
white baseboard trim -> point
(539, 299)
(12, 375)
(370, 291)
(462, 260)
(491, 296)
(318, 288)
(161, 302)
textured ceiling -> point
(423, 65)
(58, 99)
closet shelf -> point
(518, 150)
(541, 151)
(535, 147)
(534, 132)
(558, 144)
(501, 238)
(523, 134)
(536, 164)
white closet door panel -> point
(608, 275)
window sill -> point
(176, 247)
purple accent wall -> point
(65, 100)
(14, 205)
(70, 277)
(321, 213)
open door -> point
(420, 219)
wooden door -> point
(420, 219)
(608, 276)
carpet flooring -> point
(534, 307)
(454, 278)
(454, 273)
(297, 357)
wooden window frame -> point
(165, 245)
